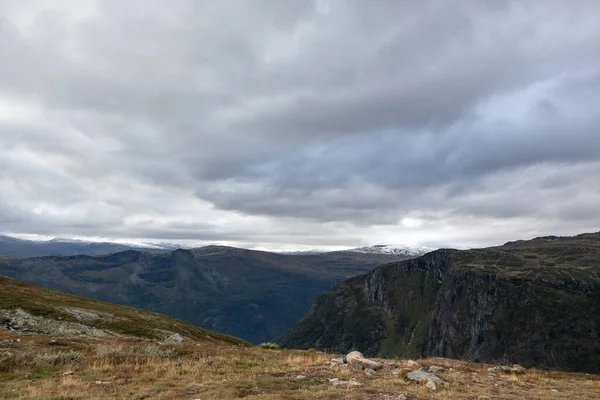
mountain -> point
(10, 246)
(250, 294)
(406, 251)
(536, 303)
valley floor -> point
(39, 367)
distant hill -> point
(10, 246)
(250, 294)
(534, 302)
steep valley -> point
(249, 294)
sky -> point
(298, 125)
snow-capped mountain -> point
(10, 246)
(409, 251)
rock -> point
(338, 382)
(300, 377)
(396, 371)
(483, 397)
(434, 369)
(353, 355)
(175, 338)
(68, 372)
(410, 364)
(370, 372)
(401, 396)
(554, 390)
(337, 361)
(422, 376)
(356, 366)
(515, 369)
(431, 386)
(357, 361)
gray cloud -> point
(300, 123)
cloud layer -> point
(300, 123)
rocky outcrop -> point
(535, 303)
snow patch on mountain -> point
(413, 251)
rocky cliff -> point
(535, 302)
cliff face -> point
(536, 303)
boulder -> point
(354, 355)
(422, 376)
(357, 361)
(337, 361)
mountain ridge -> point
(531, 302)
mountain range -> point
(536, 303)
(253, 295)
(11, 246)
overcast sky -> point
(300, 124)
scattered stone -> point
(370, 372)
(434, 369)
(300, 377)
(515, 369)
(175, 338)
(410, 364)
(396, 371)
(338, 382)
(337, 361)
(401, 396)
(431, 386)
(68, 372)
(422, 376)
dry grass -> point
(142, 369)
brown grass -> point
(143, 369)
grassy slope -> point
(220, 367)
(123, 320)
(124, 369)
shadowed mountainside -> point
(249, 294)
(532, 302)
